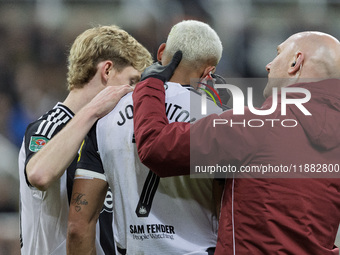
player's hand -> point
(163, 73)
(108, 98)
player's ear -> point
(160, 52)
(296, 64)
(105, 68)
(208, 70)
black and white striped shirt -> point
(44, 214)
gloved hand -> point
(163, 73)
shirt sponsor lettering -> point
(152, 231)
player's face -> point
(128, 75)
(278, 75)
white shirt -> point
(153, 215)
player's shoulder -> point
(127, 99)
(175, 90)
(123, 102)
(58, 112)
(124, 107)
(50, 122)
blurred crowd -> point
(35, 37)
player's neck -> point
(78, 98)
(183, 77)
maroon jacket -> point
(290, 215)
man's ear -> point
(160, 52)
(296, 65)
(105, 68)
(207, 70)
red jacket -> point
(290, 215)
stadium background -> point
(36, 34)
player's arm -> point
(88, 194)
(168, 149)
(158, 141)
(87, 200)
(49, 164)
(163, 147)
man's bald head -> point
(306, 55)
(322, 54)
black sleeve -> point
(89, 158)
(35, 140)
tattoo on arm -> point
(78, 200)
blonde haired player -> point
(100, 59)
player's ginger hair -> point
(99, 44)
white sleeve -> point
(86, 174)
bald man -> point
(290, 209)
(303, 57)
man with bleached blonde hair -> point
(100, 61)
(198, 35)
(290, 204)
(153, 215)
